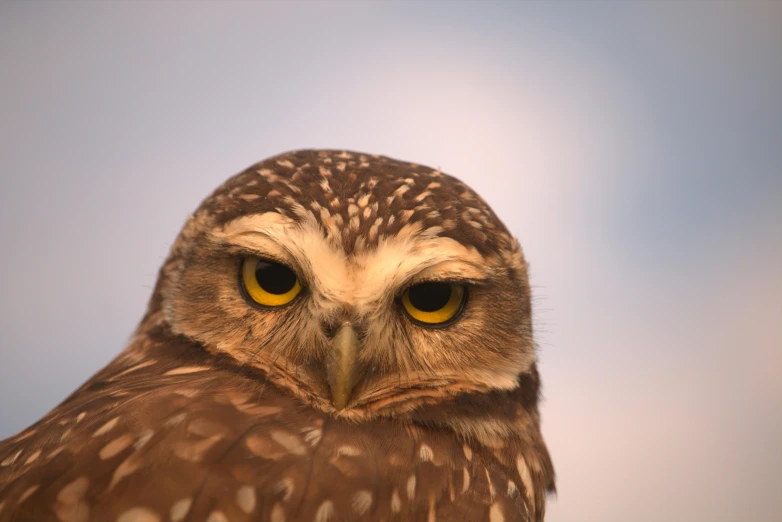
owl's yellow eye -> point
(434, 303)
(269, 283)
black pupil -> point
(274, 277)
(429, 297)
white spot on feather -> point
(526, 480)
(289, 441)
(348, 451)
(55, 452)
(401, 190)
(138, 366)
(180, 509)
(70, 505)
(396, 502)
(325, 511)
(495, 513)
(175, 419)
(425, 453)
(143, 438)
(411, 487)
(27, 492)
(32, 458)
(115, 446)
(138, 514)
(467, 452)
(245, 498)
(217, 516)
(492, 491)
(128, 466)
(284, 486)
(432, 515)
(312, 436)
(422, 196)
(465, 480)
(182, 370)
(288, 164)
(362, 501)
(106, 427)
(277, 514)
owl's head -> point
(364, 285)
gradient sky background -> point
(634, 148)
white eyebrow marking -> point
(362, 279)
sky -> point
(634, 148)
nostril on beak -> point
(331, 325)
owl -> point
(334, 336)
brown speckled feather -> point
(184, 437)
(185, 427)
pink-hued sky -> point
(635, 148)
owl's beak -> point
(340, 366)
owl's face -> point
(363, 285)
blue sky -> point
(633, 147)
